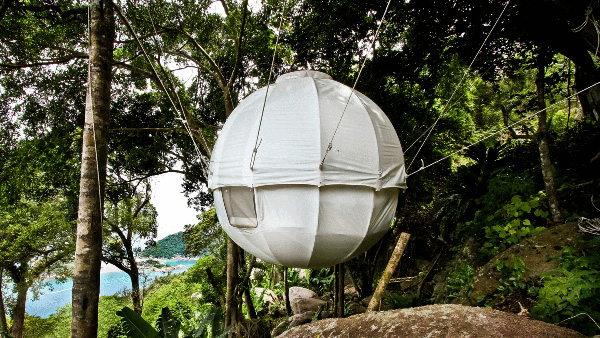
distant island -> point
(169, 247)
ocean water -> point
(56, 295)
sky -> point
(171, 204)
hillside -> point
(167, 247)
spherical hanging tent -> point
(312, 178)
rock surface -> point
(304, 300)
(432, 321)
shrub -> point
(460, 281)
(572, 289)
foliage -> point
(58, 324)
(321, 279)
(514, 222)
(401, 301)
(512, 275)
(460, 281)
(205, 237)
(136, 326)
(129, 220)
(177, 296)
(168, 325)
(463, 192)
(154, 263)
(572, 289)
(168, 247)
(207, 274)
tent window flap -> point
(240, 207)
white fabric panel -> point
(230, 160)
(389, 150)
(301, 113)
(353, 158)
(289, 137)
(344, 216)
(288, 220)
(385, 202)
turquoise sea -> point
(56, 295)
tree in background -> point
(128, 221)
(36, 240)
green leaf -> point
(135, 325)
(526, 207)
(168, 326)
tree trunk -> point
(586, 75)
(286, 291)
(388, 272)
(249, 304)
(339, 290)
(3, 322)
(542, 138)
(231, 318)
(88, 252)
(18, 313)
(136, 296)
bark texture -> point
(88, 252)
(3, 322)
(286, 291)
(339, 290)
(388, 272)
(18, 313)
(231, 313)
(544, 149)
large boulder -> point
(292, 321)
(432, 321)
(536, 252)
(304, 300)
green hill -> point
(167, 247)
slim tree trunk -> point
(388, 272)
(339, 290)
(231, 319)
(136, 296)
(88, 251)
(542, 138)
(286, 291)
(18, 313)
(3, 322)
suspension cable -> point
(262, 112)
(503, 129)
(162, 84)
(330, 145)
(430, 129)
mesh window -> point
(239, 204)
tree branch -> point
(215, 71)
(238, 47)
(116, 263)
(62, 60)
(225, 7)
